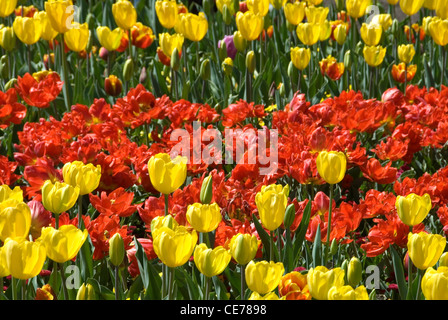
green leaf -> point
(220, 289)
(317, 249)
(265, 238)
(150, 277)
(399, 273)
(299, 237)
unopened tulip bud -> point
(222, 51)
(206, 194)
(292, 72)
(205, 70)
(395, 27)
(116, 249)
(443, 261)
(90, 19)
(290, 214)
(103, 53)
(8, 39)
(128, 70)
(344, 266)
(334, 247)
(372, 295)
(10, 84)
(86, 292)
(359, 48)
(175, 60)
(4, 67)
(113, 86)
(354, 272)
(227, 66)
(239, 41)
(250, 62)
(226, 16)
(340, 5)
(348, 60)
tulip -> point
(86, 292)
(191, 26)
(331, 166)
(228, 3)
(442, 9)
(316, 15)
(314, 2)
(141, 36)
(227, 66)
(430, 4)
(59, 13)
(438, 30)
(330, 67)
(39, 218)
(278, 4)
(15, 221)
(4, 272)
(443, 261)
(7, 38)
(357, 8)
(163, 221)
(371, 33)
(263, 277)
(320, 280)
(308, 33)
(340, 33)
(413, 209)
(411, 7)
(425, 249)
(86, 176)
(239, 41)
(348, 293)
(169, 42)
(406, 53)
(7, 7)
(354, 272)
(23, 259)
(374, 56)
(293, 286)
(6, 193)
(243, 247)
(77, 38)
(325, 30)
(251, 62)
(392, 2)
(174, 247)
(269, 296)
(211, 262)
(384, 20)
(294, 12)
(300, 57)
(260, 7)
(59, 197)
(28, 30)
(435, 284)
(116, 249)
(63, 244)
(167, 13)
(402, 73)
(249, 24)
(167, 174)
(204, 217)
(271, 203)
(48, 32)
(113, 86)
(109, 39)
(124, 14)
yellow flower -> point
(435, 284)
(166, 174)
(163, 221)
(7, 38)
(271, 203)
(23, 259)
(278, 4)
(320, 280)
(249, 24)
(340, 33)
(316, 14)
(15, 220)
(294, 12)
(392, 2)
(48, 32)
(411, 7)
(239, 41)
(413, 208)
(371, 33)
(6, 193)
(167, 13)
(228, 3)
(7, 7)
(383, 19)
(308, 33)
(439, 31)
(260, 7)
(116, 249)
(357, 8)
(191, 26)
(331, 166)
(174, 247)
(169, 42)
(431, 4)
(109, 39)
(86, 176)
(374, 56)
(269, 296)
(86, 292)
(348, 293)
(60, 13)
(28, 30)
(4, 272)
(325, 30)
(204, 217)
(124, 14)
(243, 247)
(425, 249)
(59, 197)
(263, 277)
(64, 243)
(406, 53)
(77, 38)
(211, 262)
(314, 2)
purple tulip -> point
(230, 46)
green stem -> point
(116, 283)
(271, 246)
(419, 276)
(80, 224)
(327, 247)
(409, 295)
(164, 270)
(166, 205)
(66, 88)
(28, 49)
(170, 284)
(207, 288)
(443, 67)
(64, 288)
(243, 280)
(23, 289)
(13, 289)
(56, 221)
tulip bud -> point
(206, 194)
(10, 84)
(90, 19)
(359, 47)
(222, 51)
(395, 27)
(4, 67)
(334, 247)
(443, 261)
(340, 5)
(372, 295)
(239, 41)
(205, 70)
(175, 61)
(113, 86)
(290, 214)
(292, 72)
(128, 70)
(250, 62)
(354, 272)
(348, 60)
(86, 292)
(227, 66)
(89, 43)
(344, 266)
(116, 249)
(227, 17)
(8, 39)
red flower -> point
(118, 202)
(10, 110)
(373, 171)
(133, 268)
(141, 36)
(39, 89)
(7, 169)
(330, 67)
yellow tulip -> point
(325, 30)
(308, 33)
(163, 221)
(243, 247)
(60, 13)
(435, 284)
(263, 277)
(374, 56)
(431, 4)
(384, 20)
(167, 13)
(77, 38)
(64, 243)
(228, 3)
(278, 4)
(425, 249)
(357, 8)
(316, 14)
(314, 2)
(86, 176)
(443, 261)
(23, 259)
(300, 57)
(86, 292)
(411, 7)
(166, 174)
(191, 26)
(331, 166)
(348, 293)
(109, 39)
(211, 262)
(59, 197)
(260, 7)
(406, 53)
(7, 38)
(116, 249)
(124, 14)
(28, 30)
(6, 193)
(270, 296)
(438, 30)
(413, 209)
(48, 32)
(174, 247)
(169, 42)
(7, 7)
(392, 2)
(15, 221)
(4, 272)
(294, 12)
(204, 217)
(320, 280)
(249, 24)
(271, 202)
(371, 33)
